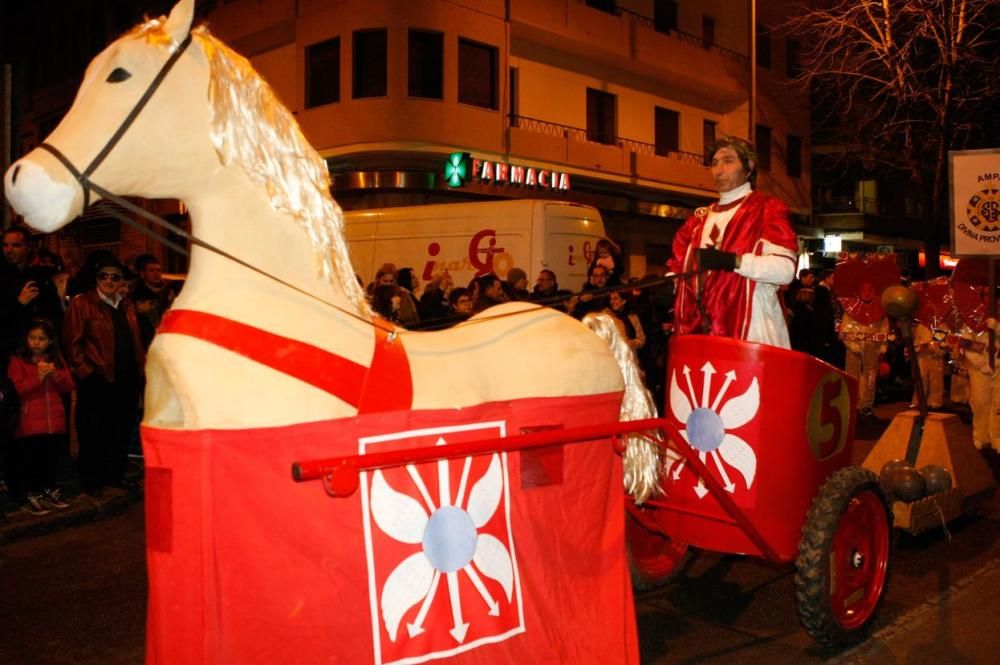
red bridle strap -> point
(386, 385)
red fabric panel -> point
(265, 570)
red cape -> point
(727, 296)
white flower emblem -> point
(449, 543)
(707, 427)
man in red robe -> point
(745, 249)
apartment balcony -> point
(531, 138)
(631, 42)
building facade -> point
(607, 103)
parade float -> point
(468, 501)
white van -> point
(472, 239)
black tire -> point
(653, 558)
(842, 570)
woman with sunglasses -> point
(104, 349)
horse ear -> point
(179, 22)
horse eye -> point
(119, 75)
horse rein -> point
(87, 185)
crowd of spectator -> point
(63, 335)
(87, 333)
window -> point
(600, 117)
(762, 137)
(323, 73)
(477, 74)
(667, 129)
(763, 47)
(793, 60)
(603, 5)
(426, 64)
(664, 15)
(370, 63)
(793, 165)
(708, 138)
(707, 31)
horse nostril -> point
(13, 177)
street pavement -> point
(76, 596)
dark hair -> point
(486, 281)
(52, 354)
(382, 300)
(457, 293)
(144, 260)
(744, 150)
(405, 278)
(595, 266)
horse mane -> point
(251, 127)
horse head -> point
(50, 185)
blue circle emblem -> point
(450, 539)
(705, 430)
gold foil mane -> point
(252, 128)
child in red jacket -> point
(41, 377)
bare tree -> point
(899, 83)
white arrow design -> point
(481, 588)
(460, 497)
(729, 485)
(706, 383)
(687, 376)
(700, 488)
(419, 482)
(417, 627)
(677, 469)
(730, 377)
(444, 480)
(460, 629)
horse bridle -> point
(84, 177)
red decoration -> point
(859, 284)
(970, 284)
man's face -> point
(463, 304)
(494, 291)
(152, 274)
(109, 281)
(808, 280)
(387, 279)
(727, 170)
(599, 277)
(15, 248)
(546, 282)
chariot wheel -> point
(653, 558)
(843, 562)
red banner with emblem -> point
(498, 558)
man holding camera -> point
(26, 291)
(742, 248)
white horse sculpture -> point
(248, 375)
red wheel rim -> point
(859, 558)
(653, 554)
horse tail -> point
(641, 457)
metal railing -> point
(579, 134)
(687, 37)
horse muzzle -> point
(46, 202)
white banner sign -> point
(975, 202)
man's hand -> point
(28, 292)
(709, 258)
